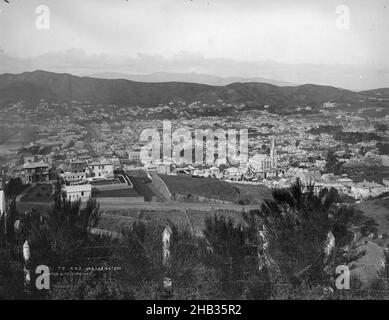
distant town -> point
(93, 148)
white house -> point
(233, 173)
(134, 155)
(214, 171)
(385, 160)
(329, 105)
(79, 192)
(73, 176)
(101, 168)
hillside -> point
(186, 77)
(382, 93)
(190, 188)
(35, 85)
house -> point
(367, 189)
(37, 158)
(234, 173)
(73, 176)
(100, 168)
(346, 182)
(164, 168)
(36, 172)
(329, 105)
(310, 178)
(385, 160)
(78, 192)
(29, 159)
(134, 155)
(77, 166)
(214, 171)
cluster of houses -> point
(344, 185)
(259, 166)
(80, 177)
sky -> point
(297, 41)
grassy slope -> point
(118, 220)
(215, 189)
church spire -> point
(273, 155)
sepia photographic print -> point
(183, 151)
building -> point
(233, 173)
(310, 178)
(263, 162)
(79, 192)
(346, 182)
(134, 155)
(29, 159)
(37, 158)
(73, 176)
(77, 166)
(329, 105)
(365, 189)
(100, 168)
(164, 168)
(385, 160)
(214, 171)
(36, 172)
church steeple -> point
(273, 154)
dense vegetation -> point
(383, 148)
(275, 253)
(356, 137)
(326, 129)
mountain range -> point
(186, 77)
(32, 86)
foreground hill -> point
(32, 86)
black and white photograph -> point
(194, 154)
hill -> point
(186, 77)
(382, 93)
(32, 86)
(192, 189)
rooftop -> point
(35, 165)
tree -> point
(233, 253)
(381, 127)
(332, 163)
(14, 187)
(300, 224)
(60, 239)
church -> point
(264, 162)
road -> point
(165, 206)
(151, 206)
